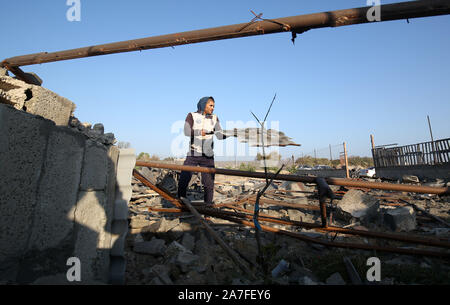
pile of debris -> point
(96, 133)
(40, 101)
(170, 246)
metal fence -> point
(427, 153)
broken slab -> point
(297, 187)
(185, 259)
(174, 249)
(3, 72)
(154, 247)
(161, 226)
(410, 179)
(357, 205)
(161, 272)
(139, 221)
(400, 219)
(35, 100)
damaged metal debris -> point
(299, 224)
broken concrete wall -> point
(58, 199)
(441, 171)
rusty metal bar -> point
(317, 227)
(332, 181)
(294, 24)
(163, 194)
(340, 244)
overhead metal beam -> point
(295, 24)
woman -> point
(201, 126)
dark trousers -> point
(207, 179)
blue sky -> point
(335, 84)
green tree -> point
(272, 156)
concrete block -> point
(185, 260)
(113, 156)
(35, 100)
(117, 270)
(400, 219)
(14, 92)
(294, 186)
(50, 105)
(3, 72)
(153, 247)
(121, 209)
(119, 230)
(23, 141)
(356, 205)
(95, 167)
(119, 227)
(58, 189)
(127, 161)
(90, 218)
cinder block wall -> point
(62, 195)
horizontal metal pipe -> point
(332, 181)
(298, 24)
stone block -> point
(119, 230)
(35, 100)
(185, 260)
(95, 167)
(296, 187)
(400, 219)
(3, 72)
(153, 247)
(23, 140)
(58, 190)
(49, 105)
(113, 155)
(14, 92)
(90, 219)
(357, 205)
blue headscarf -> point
(202, 103)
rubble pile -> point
(96, 132)
(174, 248)
(40, 101)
